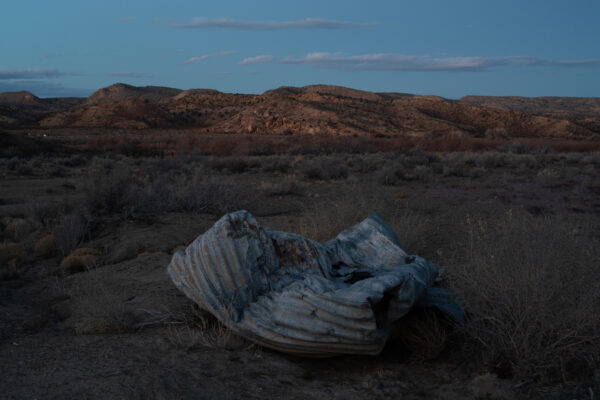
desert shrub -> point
(198, 193)
(204, 331)
(325, 219)
(71, 230)
(135, 148)
(491, 159)
(412, 158)
(276, 164)
(549, 175)
(80, 260)
(55, 171)
(395, 173)
(364, 164)
(422, 172)
(10, 254)
(18, 229)
(459, 170)
(24, 169)
(477, 172)
(516, 148)
(45, 247)
(76, 160)
(423, 332)
(13, 163)
(592, 159)
(387, 176)
(46, 212)
(437, 168)
(97, 305)
(133, 195)
(573, 158)
(234, 165)
(324, 169)
(102, 164)
(289, 187)
(525, 161)
(532, 291)
(158, 166)
(110, 193)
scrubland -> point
(86, 237)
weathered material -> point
(299, 296)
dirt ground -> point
(121, 330)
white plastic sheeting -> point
(299, 296)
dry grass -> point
(530, 284)
(80, 260)
(287, 187)
(132, 192)
(99, 305)
(324, 169)
(45, 247)
(201, 329)
(423, 332)
(532, 290)
(71, 230)
(324, 220)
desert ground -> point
(87, 231)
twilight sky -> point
(443, 47)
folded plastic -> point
(299, 296)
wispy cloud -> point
(28, 73)
(128, 74)
(400, 62)
(307, 23)
(227, 73)
(207, 56)
(257, 60)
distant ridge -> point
(314, 109)
(121, 91)
(22, 97)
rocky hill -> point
(24, 108)
(316, 109)
(120, 92)
(584, 111)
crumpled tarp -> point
(299, 296)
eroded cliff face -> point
(312, 110)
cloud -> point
(128, 74)
(225, 73)
(6, 74)
(207, 56)
(307, 23)
(400, 62)
(43, 88)
(257, 60)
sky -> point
(442, 47)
